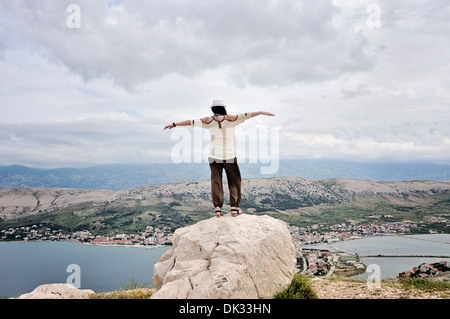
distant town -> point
(319, 233)
(152, 236)
(162, 234)
(424, 270)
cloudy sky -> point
(96, 82)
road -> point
(332, 267)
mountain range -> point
(126, 176)
(298, 201)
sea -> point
(430, 244)
(26, 265)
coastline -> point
(126, 245)
(88, 243)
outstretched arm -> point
(261, 113)
(184, 123)
(233, 117)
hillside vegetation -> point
(299, 201)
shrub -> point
(300, 288)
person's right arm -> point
(184, 123)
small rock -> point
(57, 291)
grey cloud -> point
(258, 42)
(83, 142)
(359, 91)
(397, 109)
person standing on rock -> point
(222, 152)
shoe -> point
(219, 213)
(237, 210)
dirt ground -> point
(347, 289)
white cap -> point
(218, 103)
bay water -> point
(26, 265)
(430, 244)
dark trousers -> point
(233, 177)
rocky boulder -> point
(246, 256)
(57, 291)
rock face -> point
(57, 291)
(246, 256)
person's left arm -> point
(245, 116)
(253, 114)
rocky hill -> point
(295, 200)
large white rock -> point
(246, 256)
(57, 291)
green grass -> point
(133, 290)
(138, 293)
(424, 284)
(133, 284)
(300, 288)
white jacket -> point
(223, 144)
